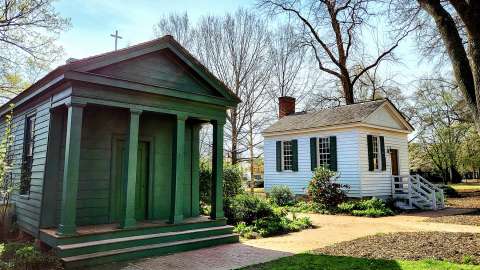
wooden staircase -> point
(93, 249)
(414, 191)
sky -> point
(94, 20)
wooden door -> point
(394, 159)
(118, 183)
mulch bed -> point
(464, 202)
(472, 218)
(454, 247)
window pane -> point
(28, 155)
(287, 155)
(375, 151)
(324, 151)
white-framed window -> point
(287, 156)
(323, 155)
(376, 152)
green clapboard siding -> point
(28, 207)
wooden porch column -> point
(68, 209)
(217, 171)
(128, 219)
(176, 213)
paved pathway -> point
(330, 230)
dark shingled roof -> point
(327, 117)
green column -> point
(196, 169)
(176, 214)
(217, 171)
(128, 219)
(71, 167)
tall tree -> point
(333, 30)
(179, 26)
(440, 130)
(235, 47)
(456, 23)
(28, 31)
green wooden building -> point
(106, 154)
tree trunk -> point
(347, 90)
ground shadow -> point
(228, 256)
(314, 261)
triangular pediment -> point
(388, 116)
(160, 68)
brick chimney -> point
(286, 106)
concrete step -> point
(101, 257)
(75, 249)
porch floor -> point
(104, 228)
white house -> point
(366, 143)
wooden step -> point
(139, 240)
(146, 250)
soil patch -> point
(464, 202)
(472, 218)
(455, 247)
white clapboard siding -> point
(378, 183)
(347, 161)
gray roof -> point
(346, 114)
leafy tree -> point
(440, 129)
(469, 152)
(28, 31)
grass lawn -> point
(466, 186)
(312, 261)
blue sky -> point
(94, 20)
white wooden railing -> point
(417, 191)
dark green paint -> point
(313, 153)
(333, 153)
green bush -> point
(370, 208)
(281, 195)
(308, 207)
(26, 256)
(246, 231)
(324, 190)
(232, 185)
(449, 191)
(248, 208)
(255, 216)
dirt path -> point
(330, 230)
(333, 229)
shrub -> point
(246, 231)
(248, 208)
(324, 190)
(449, 191)
(281, 195)
(232, 185)
(26, 256)
(308, 207)
(371, 208)
(255, 217)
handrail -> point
(417, 187)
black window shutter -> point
(295, 155)
(382, 152)
(370, 152)
(279, 156)
(333, 153)
(313, 153)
